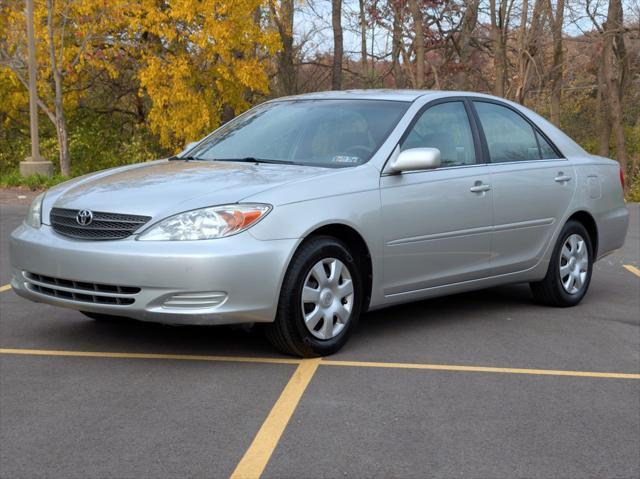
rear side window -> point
(509, 136)
(546, 150)
(444, 126)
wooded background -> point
(127, 81)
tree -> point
(557, 63)
(363, 38)
(72, 40)
(604, 117)
(397, 10)
(418, 39)
(613, 70)
(469, 22)
(198, 61)
(499, 14)
(336, 20)
(282, 17)
(123, 81)
(530, 39)
(465, 39)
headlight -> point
(207, 223)
(34, 215)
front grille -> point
(104, 226)
(96, 293)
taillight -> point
(622, 177)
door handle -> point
(562, 178)
(479, 188)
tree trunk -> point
(557, 62)
(416, 15)
(530, 38)
(469, 23)
(336, 20)
(363, 41)
(613, 70)
(463, 78)
(523, 58)
(63, 142)
(60, 120)
(287, 57)
(283, 18)
(396, 45)
(498, 38)
(604, 124)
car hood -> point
(161, 188)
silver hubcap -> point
(574, 264)
(327, 298)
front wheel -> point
(570, 268)
(320, 300)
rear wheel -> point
(570, 268)
(320, 300)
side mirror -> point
(416, 159)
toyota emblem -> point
(84, 217)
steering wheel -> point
(361, 151)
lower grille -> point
(103, 226)
(96, 293)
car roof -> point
(380, 94)
(385, 94)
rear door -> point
(437, 223)
(532, 185)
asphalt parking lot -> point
(483, 385)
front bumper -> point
(223, 281)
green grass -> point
(34, 182)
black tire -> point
(104, 318)
(288, 333)
(550, 290)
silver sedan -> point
(304, 212)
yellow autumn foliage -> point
(193, 59)
(198, 58)
(80, 38)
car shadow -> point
(418, 317)
(458, 307)
(140, 336)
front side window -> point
(509, 136)
(444, 126)
(332, 133)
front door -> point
(437, 224)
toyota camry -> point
(306, 211)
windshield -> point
(331, 133)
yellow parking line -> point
(257, 456)
(632, 269)
(480, 369)
(4, 288)
(183, 357)
(325, 362)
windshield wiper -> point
(251, 159)
(184, 158)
